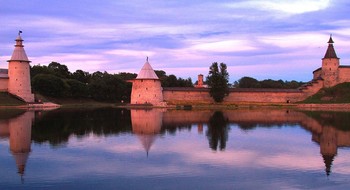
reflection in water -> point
(19, 130)
(146, 124)
(57, 127)
(217, 131)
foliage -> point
(172, 80)
(77, 89)
(48, 84)
(218, 81)
(55, 80)
(249, 82)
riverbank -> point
(69, 104)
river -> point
(109, 148)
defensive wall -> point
(240, 95)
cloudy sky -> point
(277, 39)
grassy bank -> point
(334, 95)
(8, 100)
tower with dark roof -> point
(19, 72)
(330, 66)
(146, 88)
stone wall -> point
(188, 95)
(344, 74)
(3, 84)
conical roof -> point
(147, 72)
(19, 53)
(330, 53)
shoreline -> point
(189, 106)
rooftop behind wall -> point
(4, 73)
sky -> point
(264, 39)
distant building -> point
(200, 82)
(16, 79)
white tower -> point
(19, 72)
(146, 88)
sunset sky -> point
(259, 38)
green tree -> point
(248, 82)
(81, 76)
(77, 89)
(49, 85)
(59, 70)
(218, 81)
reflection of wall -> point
(328, 137)
(146, 124)
(4, 129)
(20, 129)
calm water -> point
(174, 149)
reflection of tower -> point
(328, 146)
(20, 139)
(200, 128)
(146, 124)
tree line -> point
(249, 82)
(55, 80)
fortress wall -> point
(187, 96)
(344, 75)
(317, 73)
(261, 96)
(4, 84)
(235, 96)
(313, 88)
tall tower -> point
(330, 65)
(19, 72)
(146, 88)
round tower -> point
(330, 65)
(146, 88)
(19, 72)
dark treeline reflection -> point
(217, 132)
(339, 120)
(57, 126)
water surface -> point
(174, 149)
